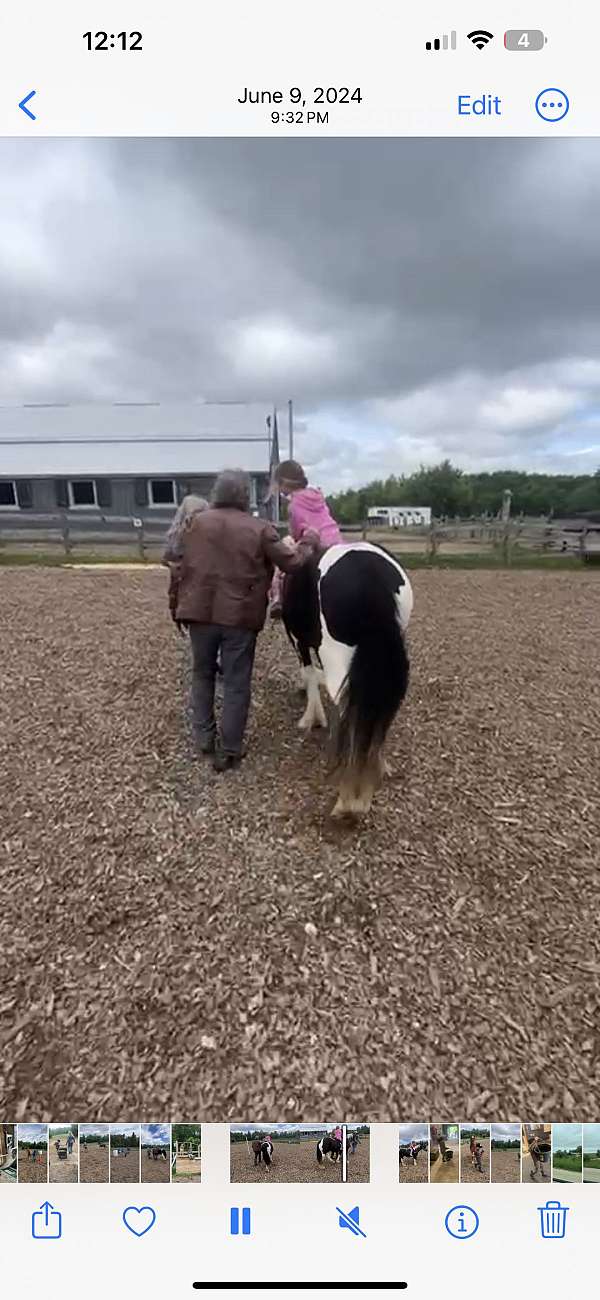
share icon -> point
(350, 1220)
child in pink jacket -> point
(307, 508)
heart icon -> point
(139, 1219)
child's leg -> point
(276, 587)
(275, 594)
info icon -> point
(462, 1222)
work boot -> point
(206, 746)
(223, 762)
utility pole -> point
(291, 429)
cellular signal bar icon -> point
(442, 42)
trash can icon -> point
(553, 1217)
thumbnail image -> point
(63, 1151)
(32, 1140)
(94, 1148)
(444, 1155)
(591, 1153)
(187, 1153)
(8, 1154)
(156, 1153)
(124, 1153)
(567, 1152)
(506, 1153)
(293, 1153)
(358, 1145)
(536, 1149)
(413, 1153)
(474, 1153)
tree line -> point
(124, 1140)
(450, 491)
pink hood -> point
(309, 509)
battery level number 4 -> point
(519, 38)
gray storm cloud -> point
(416, 298)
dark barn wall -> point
(121, 496)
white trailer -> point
(399, 516)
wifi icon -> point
(480, 38)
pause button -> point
(245, 1221)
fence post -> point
(506, 555)
(66, 534)
(141, 542)
(432, 542)
(364, 530)
(582, 542)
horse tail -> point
(374, 687)
(320, 1151)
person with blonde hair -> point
(191, 506)
(182, 520)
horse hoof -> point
(340, 812)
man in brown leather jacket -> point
(219, 589)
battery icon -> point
(519, 38)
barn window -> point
(8, 495)
(24, 488)
(82, 492)
(162, 492)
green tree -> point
(449, 491)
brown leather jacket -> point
(226, 569)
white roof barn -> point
(134, 438)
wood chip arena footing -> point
(176, 942)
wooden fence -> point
(62, 535)
(505, 540)
(65, 537)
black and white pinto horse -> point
(346, 616)
(410, 1153)
(263, 1150)
(328, 1146)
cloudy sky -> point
(413, 1133)
(566, 1137)
(280, 1128)
(33, 1132)
(417, 299)
(506, 1132)
(591, 1137)
(156, 1135)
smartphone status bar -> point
(262, 70)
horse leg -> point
(314, 713)
(357, 786)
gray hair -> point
(190, 506)
(232, 489)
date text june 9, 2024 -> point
(298, 98)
